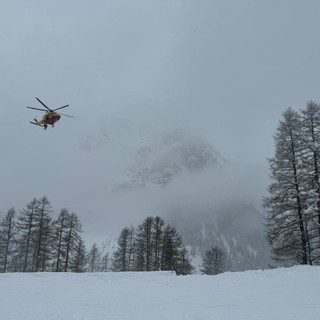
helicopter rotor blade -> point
(37, 109)
(67, 115)
(61, 107)
(43, 104)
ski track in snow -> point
(279, 294)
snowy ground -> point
(282, 294)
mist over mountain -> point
(211, 202)
(176, 152)
(234, 227)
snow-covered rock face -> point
(161, 162)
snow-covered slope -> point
(279, 294)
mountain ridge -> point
(202, 199)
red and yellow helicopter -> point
(50, 117)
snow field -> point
(279, 294)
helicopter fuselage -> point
(51, 118)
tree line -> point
(152, 246)
(32, 241)
(293, 202)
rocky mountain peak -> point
(162, 161)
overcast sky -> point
(134, 70)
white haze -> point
(194, 193)
(133, 71)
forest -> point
(32, 241)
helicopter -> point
(50, 117)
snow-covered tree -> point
(94, 259)
(74, 228)
(174, 255)
(123, 256)
(214, 261)
(42, 224)
(78, 262)
(58, 244)
(157, 236)
(26, 242)
(311, 138)
(287, 198)
(105, 261)
(143, 245)
(7, 234)
(66, 241)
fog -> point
(190, 194)
(134, 71)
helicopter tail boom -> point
(37, 123)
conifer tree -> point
(143, 245)
(123, 256)
(169, 251)
(287, 198)
(214, 261)
(26, 237)
(105, 262)
(311, 160)
(157, 236)
(184, 265)
(72, 238)
(60, 229)
(43, 233)
(7, 234)
(65, 241)
(94, 259)
(174, 255)
(79, 260)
